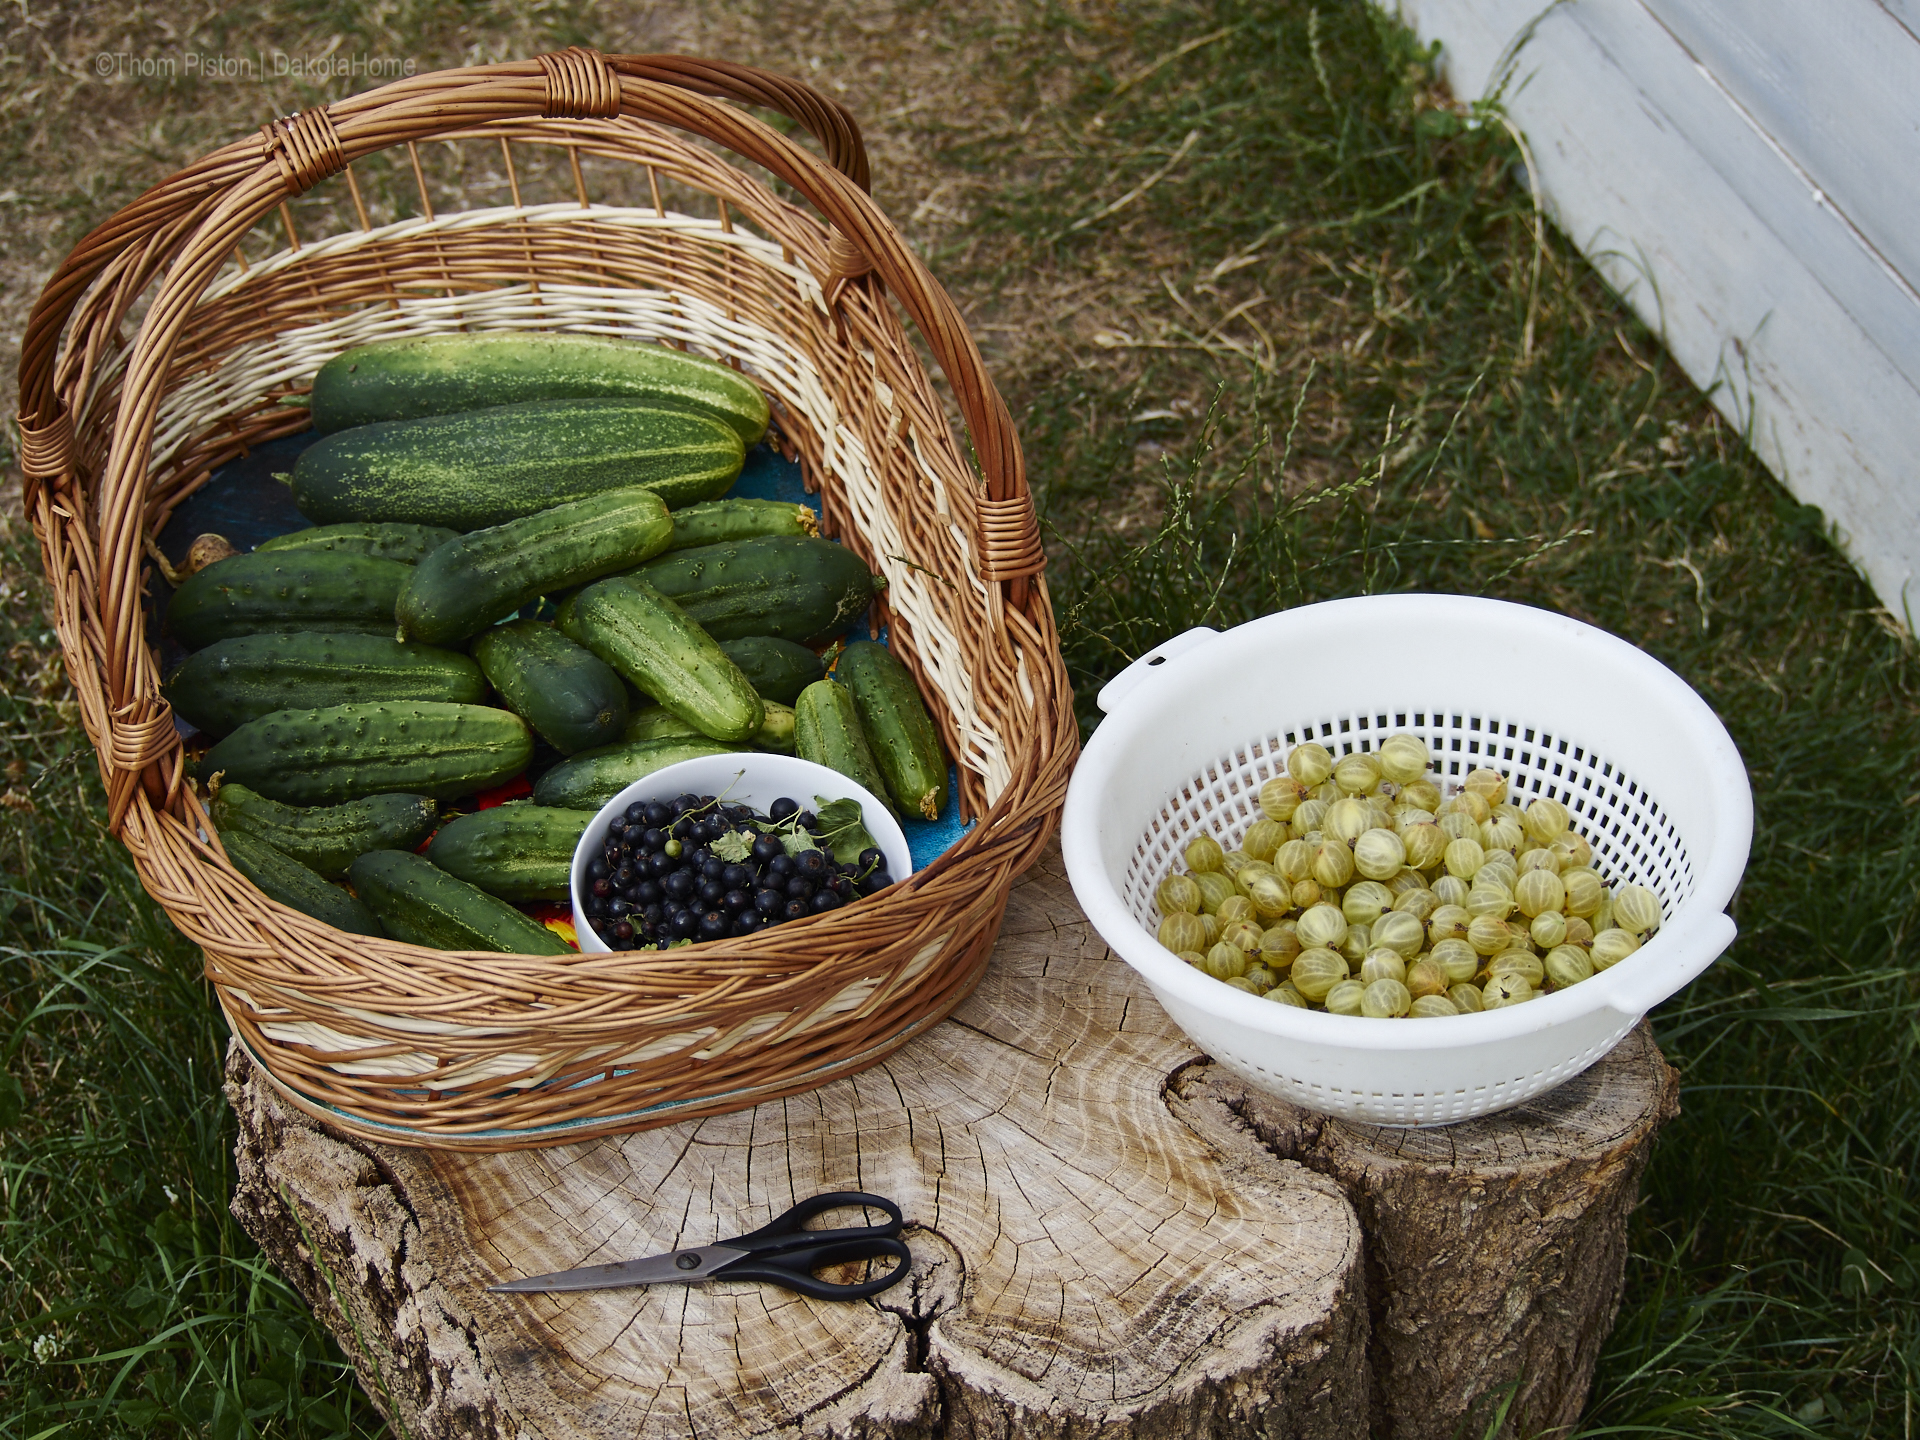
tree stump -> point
(1110, 1238)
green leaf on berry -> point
(735, 846)
(796, 840)
(843, 828)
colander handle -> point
(1698, 941)
(1115, 690)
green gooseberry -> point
(1385, 999)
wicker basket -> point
(160, 351)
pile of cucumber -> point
(356, 675)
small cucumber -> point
(589, 780)
(650, 640)
(791, 586)
(778, 669)
(439, 374)
(718, 521)
(409, 544)
(566, 693)
(905, 743)
(279, 877)
(345, 752)
(657, 722)
(826, 730)
(469, 583)
(326, 838)
(274, 592)
(422, 904)
(517, 851)
(230, 682)
(777, 733)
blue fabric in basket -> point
(769, 475)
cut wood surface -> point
(1110, 1237)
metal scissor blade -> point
(676, 1266)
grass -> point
(1318, 349)
(133, 1302)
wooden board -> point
(1835, 89)
(1109, 1235)
(1731, 171)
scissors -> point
(780, 1251)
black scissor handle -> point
(785, 1232)
(793, 1268)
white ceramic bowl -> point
(1567, 711)
(746, 779)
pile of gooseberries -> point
(1362, 890)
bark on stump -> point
(1111, 1238)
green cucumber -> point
(440, 374)
(280, 877)
(469, 583)
(486, 467)
(409, 544)
(788, 586)
(565, 692)
(776, 732)
(327, 838)
(778, 669)
(719, 522)
(826, 730)
(222, 687)
(657, 722)
(422, 904)
(650, 640)
(275, 592)
(345, 752)
(905, 743)
(592, 778)
(517, 851)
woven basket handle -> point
(578, 83)
(825, 119)
(575, 83)
(864, 241)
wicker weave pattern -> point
(305, 148)
(487, 1051)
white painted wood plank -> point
(1882, 303)
(1871, 287)
(1739, 311)
(1836, 86)
(1474, 35)
(1907, 12)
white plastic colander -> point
(1194, 728)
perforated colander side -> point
(1632, 838)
